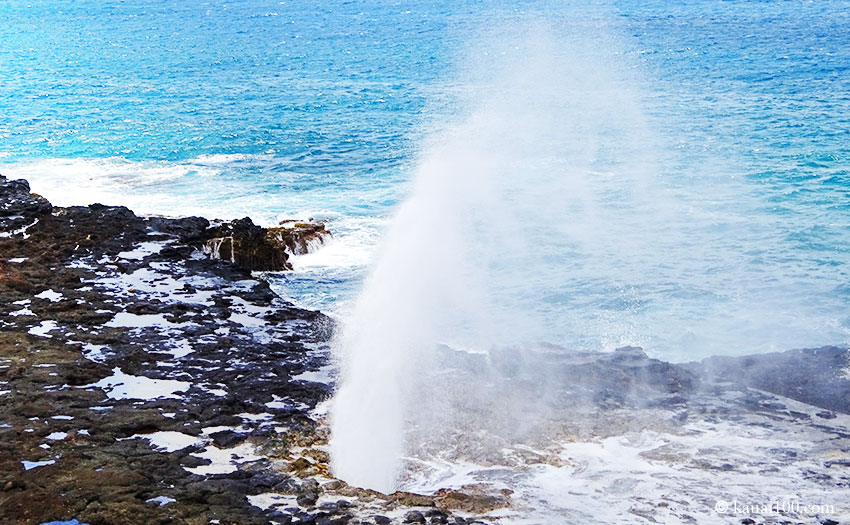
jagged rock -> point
(409, 499)
(19, 207)
(300, 237)
(330, 520)
(246, 245)
(329, 506)
(187, 229)
(261, 249)
(112, 228)
(307, 499)
(12, 277)
(471, 500)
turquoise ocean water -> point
(279, 109)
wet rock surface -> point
(137, 376)
(143, 381)
(252, 247)
(816, 376)
(621, 437)
(19, 207)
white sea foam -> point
(268, 500)
(169, 441)
(143, 250)
(50, 295)
(67, 182)
(44, 328)
(650, 475)
(125, 386)
(22, 311)
(129, 320)
(180, 348)
(352, 245)
(161, 500)
(29, 465)
(137, 184)
(94, 352)
(323, 375)
(224, 461)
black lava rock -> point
(414, 516)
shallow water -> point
(280, 109)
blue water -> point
(279, 109)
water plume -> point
(519, 187)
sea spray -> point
(519, 185)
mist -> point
(545, 213)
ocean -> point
(733, 239)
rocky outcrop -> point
(190, 230)
(477, 499)
(300, 237)
(255, 248)
(816, 376)
(18, 207)
(139, 380)
(240, 242)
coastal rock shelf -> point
(620, 437)
(144, 381)
(138, 377)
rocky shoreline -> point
(128, 359)
(147, 377)
(144, 381)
